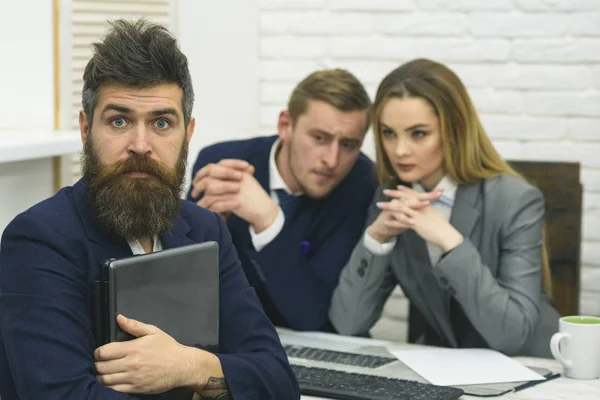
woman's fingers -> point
(406, 189)
(400, 223)
(412, 198)
(396, 206)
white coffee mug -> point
(577, 346)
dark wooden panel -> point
(559, 182)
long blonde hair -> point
(469, 155)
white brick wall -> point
(585, 24)
(556, 5)
(570, 49)
(531, 66)
(513, 25)
(464, 5)
(596, 76)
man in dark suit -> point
(296, 202)
(135, 126)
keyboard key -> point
(337, 357)
(353, 386)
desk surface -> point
(556, 389)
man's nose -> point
(332, 155)
(139, 142)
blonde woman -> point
(452, 223)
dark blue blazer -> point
(296, 273)
(49, 256)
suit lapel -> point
(177, 236)
(466, 209)
(464, 217)
(465, 214)
(420, 267)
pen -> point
(445, 200)
(533, 383)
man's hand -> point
(249, 202)
(220, 178)
(229, 186)
(152, 363)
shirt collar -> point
(136, 247)
(275, 179)
(447, 183)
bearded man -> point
(135, 127)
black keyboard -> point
(337, 357)
(352, 386)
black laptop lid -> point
(176, 290)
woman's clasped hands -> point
(409, 209)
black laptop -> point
(176, 290)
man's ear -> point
(84, 127)
(190, 129)
(284, 125)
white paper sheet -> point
(448, 367)
(342, 339)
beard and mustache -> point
(133, 208)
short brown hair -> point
(336, 87)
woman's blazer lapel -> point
(422, 286)
(467, 210)
(427, 295)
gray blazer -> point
(486, 292)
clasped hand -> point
(230, 187)
(409, 209)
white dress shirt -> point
(260, 240)
(137, 248)
(444, 205)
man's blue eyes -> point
(161, 124)
(121, 122)
(118, 122)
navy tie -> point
(287, 202)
